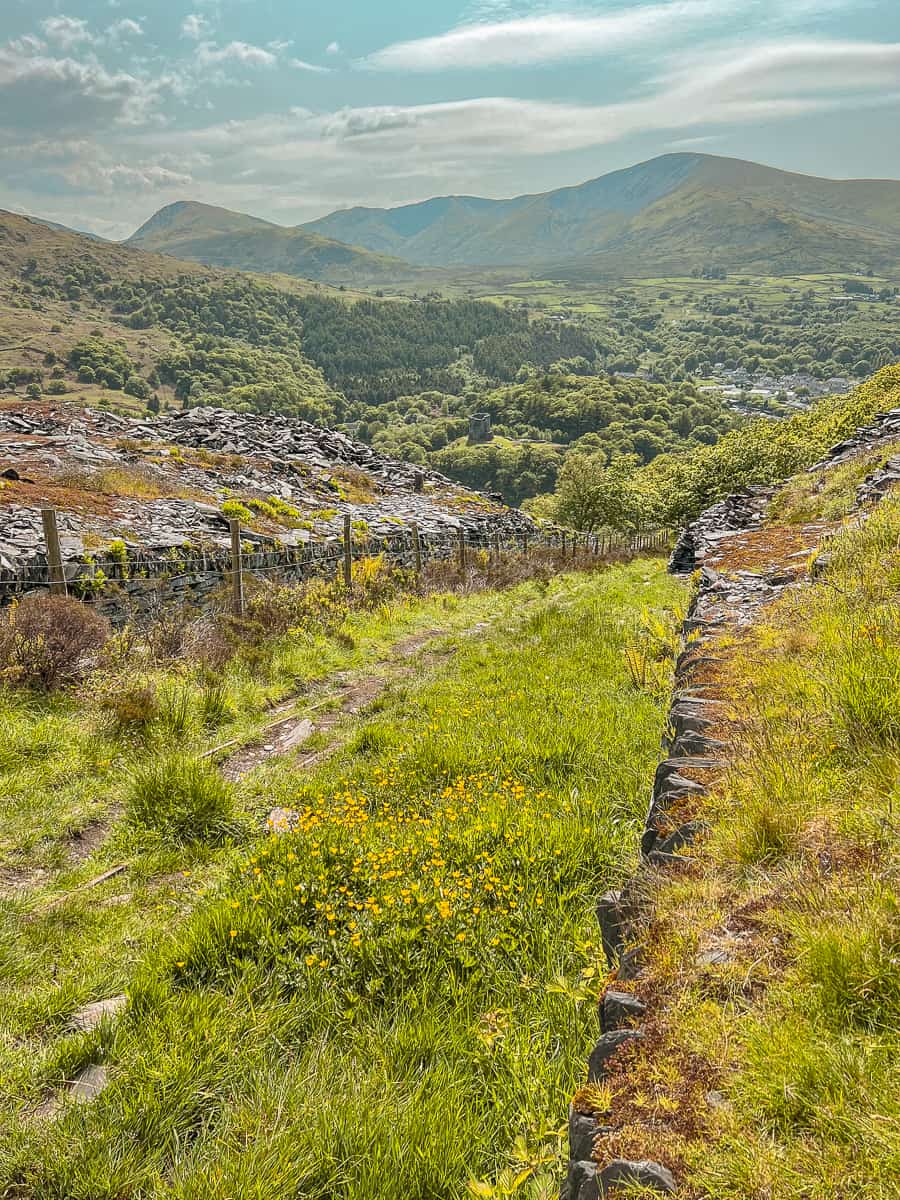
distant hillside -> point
(220, 238)
(665, 216)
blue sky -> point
(288, 109)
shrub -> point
(45, 641)
(182, 798)
(131, 707)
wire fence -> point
(119, 568)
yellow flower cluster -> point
(360, 865)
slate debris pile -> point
(206, 456)
(884, 427)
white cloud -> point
(333, 48)
(394, 153)
(300, 64)
(238, 52)
(194, 26)
(552, 37)
(120, 31)
(66, 31)
(60, 94)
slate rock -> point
(584, 1129)
(582, 1181)
(608, 1045)
(619, 1009)
(612, 932)
(91, 1015)
(622, 1172)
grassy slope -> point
(405, 999)
(219, 238)
(799, 1027)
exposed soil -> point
(288, 735)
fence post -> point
(54, 554)
(348, 553)
(496, 547)
(237, 568)
(462, 549)
(525, 543)
(417, 550)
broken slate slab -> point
(622, 1172)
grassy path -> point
(393, 1000)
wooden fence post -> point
(497, 548)
(525, 543)
(417, 549)
(54, 554)
(348, 553)
(462, 549)
(237, 568)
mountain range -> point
(220, 238)
(660, 216)
(665, 216)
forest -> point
(606, 376)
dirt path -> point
(287, 735)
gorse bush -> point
(182, 798)
(46, 642)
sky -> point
(289, 109)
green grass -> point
(800, 1029)
(398, 997)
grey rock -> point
(619, 1009)
(622, 1172)
(584, 1129)
(612, 932)
(582, 1181)
(685, 836)
(608, 1045)
(88, 1083)
(91, 1015)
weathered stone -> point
(685, 836)
(612, 932)
(91, 1015)
(622, 1172)
(582, 1181)
(584, 1129)
(88, 1083)
(619, 1009)
(608, 1045)
(631, 964)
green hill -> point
(666, 216)
(220, 238)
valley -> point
(403, 556)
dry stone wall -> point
(694, 758)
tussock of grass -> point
(182, 799)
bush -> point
(182, 798)
(45, 641)
(131, 707)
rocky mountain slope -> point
(664, 216)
